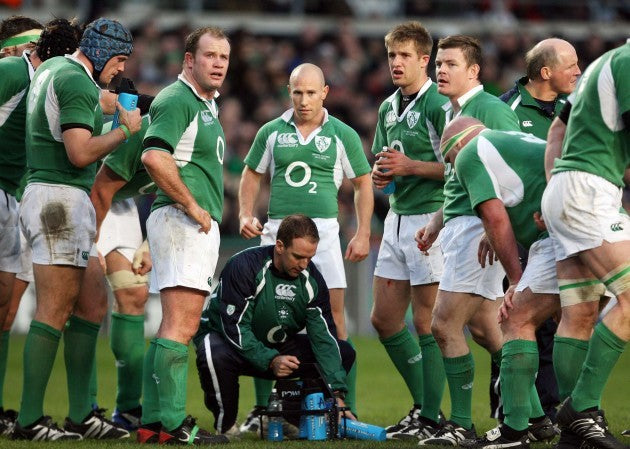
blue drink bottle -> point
(391, 187)
(127, 97)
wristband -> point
(125, 130)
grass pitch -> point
(382, 396)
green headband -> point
(22, 38)
(454, 140)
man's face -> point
(112, 68)
(406, 65)
(454, 76)
(307, 95)
(293, 259)
(210, 62)
(564, 75)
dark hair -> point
(411, 31)
(470, 47)
(59, 37)
(539, 57)
(17, 24)
(192, 40)
(297, 226)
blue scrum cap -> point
(102, 40)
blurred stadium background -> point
(345, 38)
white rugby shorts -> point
(581, 210)
(59, 222)
(462, 271)
(540, 274)
(26, 256)
(399, 257)
(328, 258)
(120, 230)
(182, 256)
(9, 234)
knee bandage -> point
(577, 291)
(618, 280)
(122, 279)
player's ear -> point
(280, 246)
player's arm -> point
(83, 148)
(106, 184)
(427, 235)
(555, 136)
(248, 190)
(164, 172)
(499, 231)
(359, 246)
(398, 164)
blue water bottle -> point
(361, 431)
(391, 187)
(127, 97)
(315, 424)
(274, 431)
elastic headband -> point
(455, 139)
(21, 38)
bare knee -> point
(131, 301)
(385, 326)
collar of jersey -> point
(287, 116)
(31, 70)
(73, 58)
(464, 98)
(211, 103)
(397, 98)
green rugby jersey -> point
(63, 95)
(187, 125)
(510, 166)
(494, 114)
(256, 308)
(532, 117)
(416, 132)
(126, 162)
(597, 141)
(16, 74)
(306, 172)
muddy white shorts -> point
(9, 234)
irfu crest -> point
(412, 118)
(322, 143)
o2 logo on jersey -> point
(322, 143)
(412, 118)
(305, 180)
(276, 335)
(287, 140)
(285, 291)
(390, 118)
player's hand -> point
(427, 235)
(102, 262)
(344, 414)
(380, 179)
(486, 252)
(394, 161)
(284, 365)
(201, 216)
(358, 249)
(141, 263)
(249, 227)
(539, 221)
(131, 119)
(507, 304)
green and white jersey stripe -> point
(597, 141)
(509, 166)
(306, 172)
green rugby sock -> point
(433, 376)
(127, 343)
(404, 351)
(171, 368)
(262, 388)
(40, 349)
(460, 372)
(568, 357)
(518, 369)
(351, 383)
(94, 385)
(536, 410)
(151, 398)
(4, 356)
(604, 350)
(79, 350)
